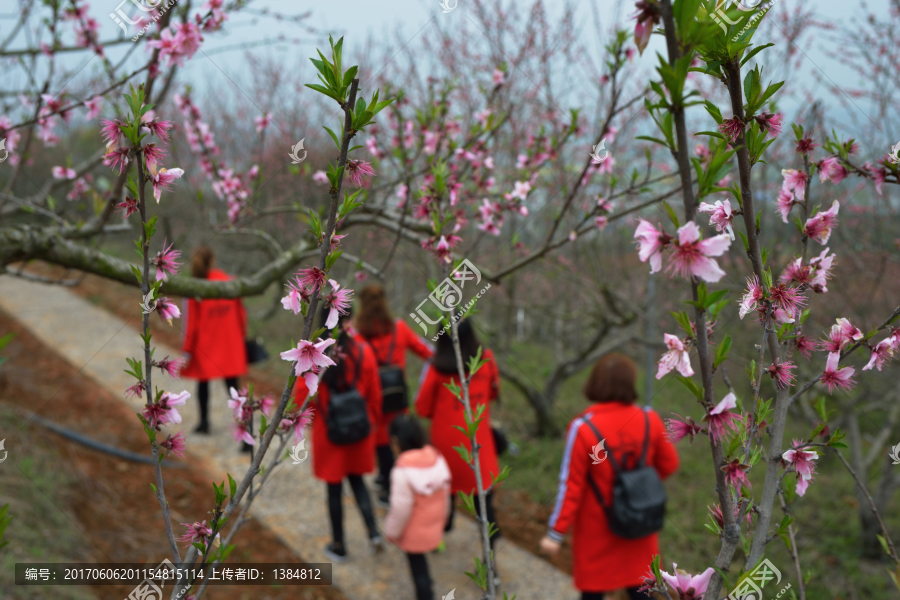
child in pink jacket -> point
(420, 499)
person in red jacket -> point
(436, 402)
(390, 341)
(602, 561)
(355, 365)
(215, 330)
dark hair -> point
(444, 356)
(202, 262)
(612, 380)
(334, 376)
(408, 431)
(374, 315)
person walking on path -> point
(214, 336)
(603, 561)
(420, 499)
(390, 339)
(348, 406)
(436, 402)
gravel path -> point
(293, 506)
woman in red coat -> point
(390, 340)
(215, 330)
(437, 403)
(602, 561)
(332, 463)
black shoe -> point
(379, 482)
(246, 448)
(335, 555)
(202, 428)
(383, 500)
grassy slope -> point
(40, 530)
(827, 526)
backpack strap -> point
(612, 457)
(600, 438)
(358, 360)
(390, 351)
(643, 461)
(590, 476)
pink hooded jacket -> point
(420, 500)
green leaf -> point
(232, 485)
(693, 387)
(714, 298)
(722, 352)
(672, 216)
(653, 139)
(754, 52)
(6, 339)
(321, 90)
(334, 137)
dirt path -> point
(96, 343)
(73, 504)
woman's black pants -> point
(336, 508)
(203, 396)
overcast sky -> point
(222, 61)
(358, 19)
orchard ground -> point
(827, 525)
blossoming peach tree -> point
(130, 148)
(746, 435)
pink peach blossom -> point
(163, 179)
(677, 357)
(651, 243)
(693, 256)
(770, 123)
(802, 461)
(165, 262)
(752, 297)
(784, 203)
(882, 352)
(174, 444)
(337, 302)
(820, 226)
(720, 215)
(720, 419)
(686, 586)
(732, 128)
(794, 182)
(308, 355)
(831, 169)
(833, 377)
(64, 173)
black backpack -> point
(347, 417)
(393, 382)
(638, 506)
